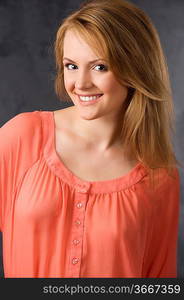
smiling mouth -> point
(90, 98)
(91, 95)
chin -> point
(86, 117)
(89, 117)
(86, 113)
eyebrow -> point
(90, 62)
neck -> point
(101, 133)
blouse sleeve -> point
(160, 258)
(19, 148)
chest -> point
(88, 164)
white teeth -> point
(89, 98)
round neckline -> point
(58, 167)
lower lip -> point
(90, 102)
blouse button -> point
(75, 261)
(75, 242)
(82, 191)
(79, 205)
(77, 222)
(82, 188)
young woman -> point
(92, 190)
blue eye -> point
(103, 66)
(67, 65)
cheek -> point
(68, 83)
(114, 88)
(109, 84)
(106, 86)
(123, 91)
(120, 92)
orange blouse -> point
(56, 225)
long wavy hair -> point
(124, 35)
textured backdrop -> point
(27, 66)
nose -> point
(83, 80)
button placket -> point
(77, 230)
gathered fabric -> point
(55, 224)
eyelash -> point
(105, 68)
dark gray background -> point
(27, 65)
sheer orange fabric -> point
(56, 225)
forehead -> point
(75, 44)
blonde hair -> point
(126, 37)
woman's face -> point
(84, 77)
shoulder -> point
(167, 191)
(21, 123)
(20, 131)
(161, 178)
(166, 179)
(161, 187)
